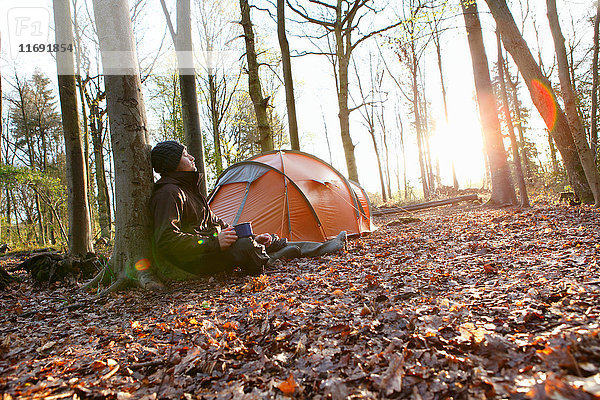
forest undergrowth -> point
(457, 302)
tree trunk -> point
(343, 58)
(260, 103)
(187, 87)
(511, 129)
(381, 178)
(214, 116)
(1, 137)
(418, 124)
(438, 49)
(502, 188)
(103, 199)
(129, 137)
(517, 112)
(86, 134)
(287, 76)
(568, 95)
(542, 96)
(80, 237)
(553, 159)
(594, 110)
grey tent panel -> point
(246, 173)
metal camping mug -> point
(243, 230)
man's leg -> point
(311, 249)
(248, 255)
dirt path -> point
(462, 303)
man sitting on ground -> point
(190, 236)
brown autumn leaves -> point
(465, 303)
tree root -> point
(143, 279)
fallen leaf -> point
(288, 386)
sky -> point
(31, 21)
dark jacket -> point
(185, 229)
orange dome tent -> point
(293, 194)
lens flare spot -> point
(200, 241)
(142, 264)
(215, 234)
(548, 108)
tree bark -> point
(502, 187)
(260, 103)
(103, 199)
(511, 129)
(342, 44)
(80, 232)
(214, 116)
(542, 96)
(568, 95)
(187, 87)
(287, 76)
(517, 112)
(129, 137)
(594, 107)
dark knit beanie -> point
(166, 155)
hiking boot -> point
(276, 244)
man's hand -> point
(264, 239)
(226, 238)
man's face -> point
(187, 162)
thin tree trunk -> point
(1, 137)
(129, 137)
(502, 188)
(418, 125)
(287, 76)
(80, 237)
(103, 199)
(568, 95)
(254, 87)
(553, 159)
(214, 116)
(594, 108)
(436, 41)
(327, 138)
(381, 178)
(187, 87)
(543, 97)
(517, 112)
(86, 133)
(430, 170)
(511, 129)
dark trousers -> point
(245, 254)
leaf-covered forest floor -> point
(456, 302)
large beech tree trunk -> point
(260, 103)
(502, 188)
(287, 76)
(585, 154)
(542, 96)
(80, 232)
(509, 125)
(129, 139)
